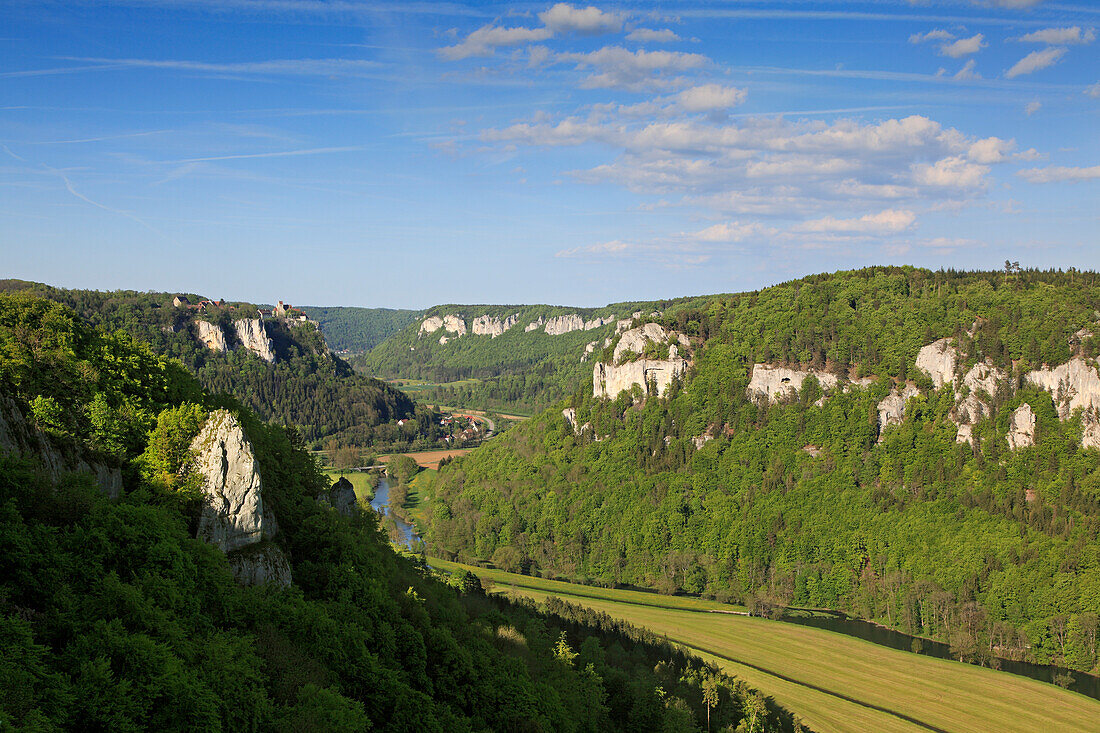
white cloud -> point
(1035, 61)
(614, 247)
(991, 150)
(964, 46)
(937, 34)
(590, 21)
(1033, 107)
(1029, 154)
(1058, 173)
(273, 67)
(486, 39)
(648, 35)
(967, 73)
(1060, 36)
(733, 231)
(952, 172)
(1013, 4)
(710, 97)
(618, 68)
(889, 221)
(1093, 90)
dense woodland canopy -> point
(113, 617)
(916, 530)
(358, 330)
(518, 370)
(307, 386)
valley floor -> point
(833, 682)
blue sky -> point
(406, 154)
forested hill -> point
(286, 373)
(358, 330)
(115, 616)
(918, 448)
(521, 357)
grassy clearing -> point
(834, 682)
(363, 483)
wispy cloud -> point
(1036, 61)
(1057, 173)
(274, 67)
(649, 35)
(1060, 36)
(276, 154)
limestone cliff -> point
(938, 360)
(212, 336)
(608, 380)
(1074, 386)
(535, 325)
(18, 436)
(1021, 428)
(252, 336)
(492, 326)
(233, 515)
(891, 410)
(340, 497)
(770, 383)
(558, 325)
(451, 323)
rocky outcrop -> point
(1021, 428)
(770, 383)
(635, 340)
(260, 564)
(608, 380)
(558, 325)
(212, 336)
(588, 349)
(492, 326)
(252, 336)
(623, 325)
(981, 384)
(450, 323)
(598, 322)
(1074, 386)
(891, 410)
(938, 360)
(443, 340)
(233, 515)
(18, 436)
(535, 325)
(341, 497)
(431, 324)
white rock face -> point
(430, 325)
(984, 378)
(623, 325)
(1021, 428)
(771, 383)
(570, 415)
(982, 381)
(700, 440)
(938, 360)
(233, 515)
(558, 325)
(443, 340)
(588, 349)
(251, 334)
(455, 325)
(211, 335)
(535, 325)
(965, 434)
(492, 326)
(891, 411)
(598, 322)
(608, 380)
(1074, 385)
(635, 340)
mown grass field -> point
(361, 482)
(833, 682)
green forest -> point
(518, 370)
(115, 618)
(994, 551)
(358, 330)
(307, 386)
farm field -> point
(833, 682)
(427, 458)
(363, 483)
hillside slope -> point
(886, 442)
(280, 367)
(124, 615)
(354, 330)
(521, 357)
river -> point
(381, 504)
